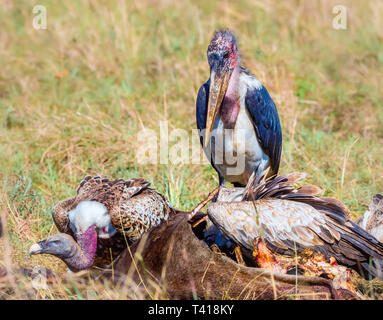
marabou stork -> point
(234, 99)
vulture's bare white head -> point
(91, 213)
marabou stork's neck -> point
(230, 104)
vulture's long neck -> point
(84, 250)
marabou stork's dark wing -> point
(201, 106)
(266, 123)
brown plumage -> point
(133, 208)
(372, 221)
(289, 220)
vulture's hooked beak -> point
(219, 81)
(37, 248)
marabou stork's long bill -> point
(234, 99)
(289, 221)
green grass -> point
(132, 64)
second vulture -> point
(372, 220)
(104, 217)
(289, 220)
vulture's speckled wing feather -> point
(106, 191)
(136, 215)
(128, 202)
(374, 219)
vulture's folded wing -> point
(289, 227)
(100, 189)
(136, 215)
(279, 222)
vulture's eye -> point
(226, 55)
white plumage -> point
(240, 143)
(88, 213)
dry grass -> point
(73, 96)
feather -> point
(266, 122)
(291, 218)
(133, 207)
(310, 190)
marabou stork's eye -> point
(226, 55)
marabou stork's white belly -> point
(236, 152)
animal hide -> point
(173, 257)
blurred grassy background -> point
(73, 96)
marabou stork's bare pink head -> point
(222, 55)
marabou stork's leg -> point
(262, 167)
(221, 180)
(204, 202)
(238, 255)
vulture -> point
(102, 219)
(290, 220)
(372, 221)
